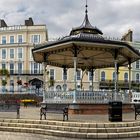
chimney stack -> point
(29, 22)
(128, 36)
(2, 23)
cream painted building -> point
(107, 75)
(136, 68)
(16, 43)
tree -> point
(4, 73)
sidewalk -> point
(34, 113)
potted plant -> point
(19, 82)
(4, 73)
(4, 82)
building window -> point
(3, 65)
(11, 53)
(137, 65)
(78, 75)
(11, 68)
(137, 77)
(35, 39)
(102, 76)
(78, 87)
(12, 39)
(3, 39)
(90, 88)
(52, 74)
(20, 39)
(126, 77)
(19, 67)
(90, 76)
(64, 75)
(11, 85)
(3, 53)
(19, 53)
(113, 76)
(35, 68)
(58, 88)
(64, 87)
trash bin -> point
(115, 111)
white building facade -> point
(16, 43)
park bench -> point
(137, 110)
(10, 106)
(54, 108)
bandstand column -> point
(129, 67)
(115, 81)
(64, 74)
(92, 74)
(44, 80)
(117, 76)
(75, 81)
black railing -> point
(122, 84)
(26, 72)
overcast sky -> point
(113, 17)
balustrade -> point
(84, 96)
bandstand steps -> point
(81, 130)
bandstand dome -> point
(88, 45)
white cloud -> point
(113, 17)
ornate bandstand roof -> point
(86, 27)
(89, 46)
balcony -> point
(26, 72)
(123, 85)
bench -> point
(54, 108)
(137, 110)
(10, 106)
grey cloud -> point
(113, 17)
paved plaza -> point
(26, 136)
(33, 113)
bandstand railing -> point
(85, 96)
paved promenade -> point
(33, 113)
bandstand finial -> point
(86, 7)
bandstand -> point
(86, 48)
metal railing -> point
(85, 96)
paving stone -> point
(102, 135)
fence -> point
(85, 96)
